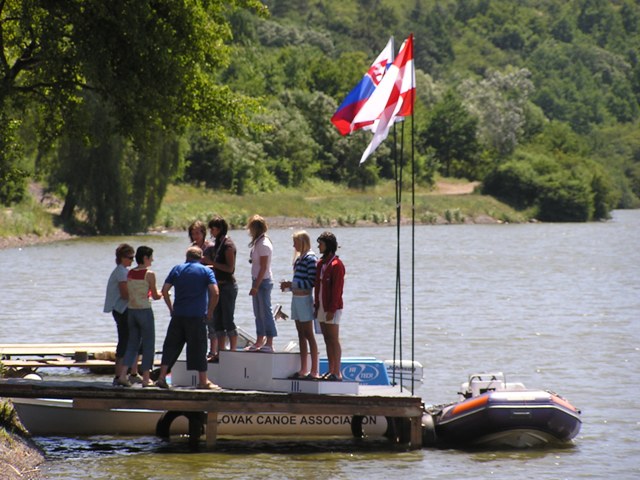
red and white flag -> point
(392, 99)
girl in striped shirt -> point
(304, 276)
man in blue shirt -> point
(196, 297)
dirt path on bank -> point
(446, 188)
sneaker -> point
(162, 383)
(137, 378)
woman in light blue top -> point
(117, 300)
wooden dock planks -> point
(52, 349)
(18, 356)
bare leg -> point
(327, 343)
(334, 350)
(134, 367)
(146, 380)
(309, 337)
(164, 370)
(304, 351)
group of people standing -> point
(205, 293)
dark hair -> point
(197, 225)
(123, 250)
(141, 252)
(221, 223)
(329, 240)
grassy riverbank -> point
(324, 204)
(318, 204)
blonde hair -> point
(257, 227)
(303, 237)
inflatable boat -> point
(494, 413)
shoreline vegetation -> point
(20, 458)
(319, 204)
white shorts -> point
(322, 316)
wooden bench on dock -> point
(405, 412)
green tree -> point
(451, 132)
(12, 177)
(500, 102)
(117, 186)
(153, 61)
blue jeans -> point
(142, 329)
(265, 324)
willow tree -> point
(151, 63)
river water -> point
(554, 306)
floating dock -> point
(201, 407)
(252, 382)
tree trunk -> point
(70, 203)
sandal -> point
(118, 382)
(296, 376)
(312, 377)
(213, 358)
(209, 386)
(162, 383)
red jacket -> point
(332, 285)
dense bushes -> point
(557, 191)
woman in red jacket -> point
(328, 301)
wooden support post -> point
(211, 429)
(416, 433)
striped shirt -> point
(304, 271)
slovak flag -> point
(353, 102)
(393, 98)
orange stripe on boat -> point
(471, 403)
(563, 402)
